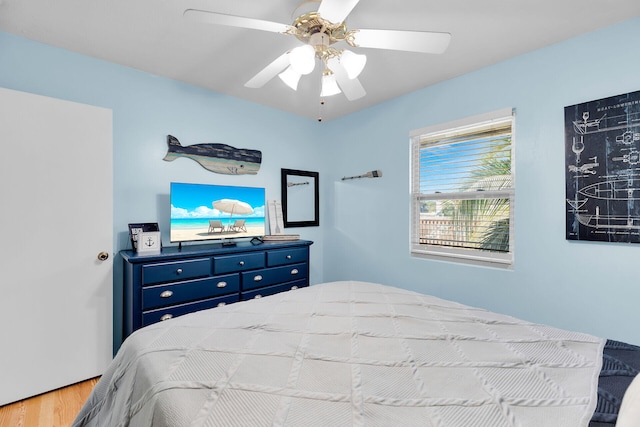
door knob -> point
(103, 256)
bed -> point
(350, 353)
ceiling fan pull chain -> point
(320, 109)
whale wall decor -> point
(218, 158)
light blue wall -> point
(145, 109)
(364, 230)
(591, 287)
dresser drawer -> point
(286, 256)
(271, 290)
(234, 263)
(153, 316)
(270, 276)
(176, 293)
(180, 280)
(179, 270)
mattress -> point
(348, 354)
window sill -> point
(502, 261)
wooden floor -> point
(57, 408)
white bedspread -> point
(348, 353)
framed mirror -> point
(299, 193)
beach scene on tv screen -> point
(205, 212)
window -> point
(463, 190)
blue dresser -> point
(195, 277)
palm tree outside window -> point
(463, 192)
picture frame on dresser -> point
(140, 227)
(149, 242)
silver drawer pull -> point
(222, 304)
(221, 284)
(288, 256)
(166, 317)
(257, 278)
(294, 287)
(241, 263)
(166, 294)
(179, 271)
(294, 271)
(257, 296)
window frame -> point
(479, 257)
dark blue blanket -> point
(620, 364)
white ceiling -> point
(153, 36)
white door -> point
(56, 197)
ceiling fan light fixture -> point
(303, 59)
(290, 77)
(319, 31)
(353, 63)
(329, 84)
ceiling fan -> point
(319, 31)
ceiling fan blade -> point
(235, 21)
(336, 11)
(352, 88)
(411, 41)
(269, 72)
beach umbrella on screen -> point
(232, 206)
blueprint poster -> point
(602, 160)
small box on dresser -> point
(178, 281)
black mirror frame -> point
(314, 222)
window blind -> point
(463, 191)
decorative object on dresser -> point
(136, 228)
(149, 242)
(300, 201)
(181, 281)
(280, 237)
(218, 158)
(276, 224)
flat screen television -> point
(216, 212)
